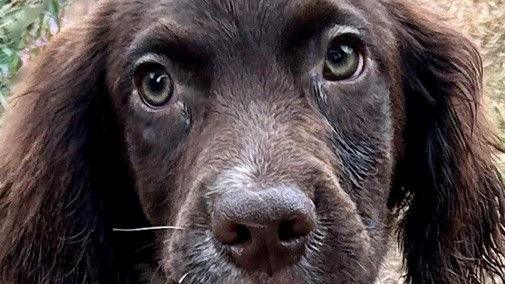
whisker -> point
(147, 229)
(152, 244)
(183, 277)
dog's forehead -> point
(242, 17)
(245, 11)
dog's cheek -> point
(363, 140)
(188, 249)
(154, 145)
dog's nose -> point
(264, 230)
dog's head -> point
(281, 138)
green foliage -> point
(25, 25)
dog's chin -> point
(289, 275)
(286, 276)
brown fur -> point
(80, 155)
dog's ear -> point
(452, 231)
(57, 166)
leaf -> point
(15, 63)
(54, 9)
(7, 51)
(21, 21)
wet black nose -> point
(264, 230)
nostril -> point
(242, 235)
(233, 234)
(290, 230)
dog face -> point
(267, 135)
(280, 137)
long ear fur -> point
(60, 162)
(453, 229)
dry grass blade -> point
(142, 229)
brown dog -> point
(281, 137)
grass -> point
(25, 26)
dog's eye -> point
(344, 60)
(154, 84)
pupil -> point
(340, 54)
(157, 82)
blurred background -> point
(25, 27)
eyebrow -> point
(316, 17)
(172, 41)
